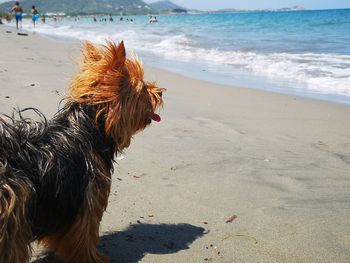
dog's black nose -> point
(160, 94)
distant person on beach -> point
(43, 19)
(18, 14)
(35, 15)
(95, 20)
(152, 19)
(110, 18)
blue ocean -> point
(304, 53)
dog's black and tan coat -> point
(55, 175)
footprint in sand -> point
(217, 125)
(180, 166)
(183, 133)
(56, 92)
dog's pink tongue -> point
(155, 117)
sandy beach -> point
(230, 174)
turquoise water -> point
(305, 53)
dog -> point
(55, 176)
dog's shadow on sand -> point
(133, 243)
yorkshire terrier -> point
(55, 176)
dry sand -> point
(278, 166)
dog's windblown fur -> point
(55, 175)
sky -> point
(206, 5)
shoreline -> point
(229, 175)
(334, 99)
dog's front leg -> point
(79, 243)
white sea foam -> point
(319, 73)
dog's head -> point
(114, 86)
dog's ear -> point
(121, 54)
(115, 55)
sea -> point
(301, 53)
